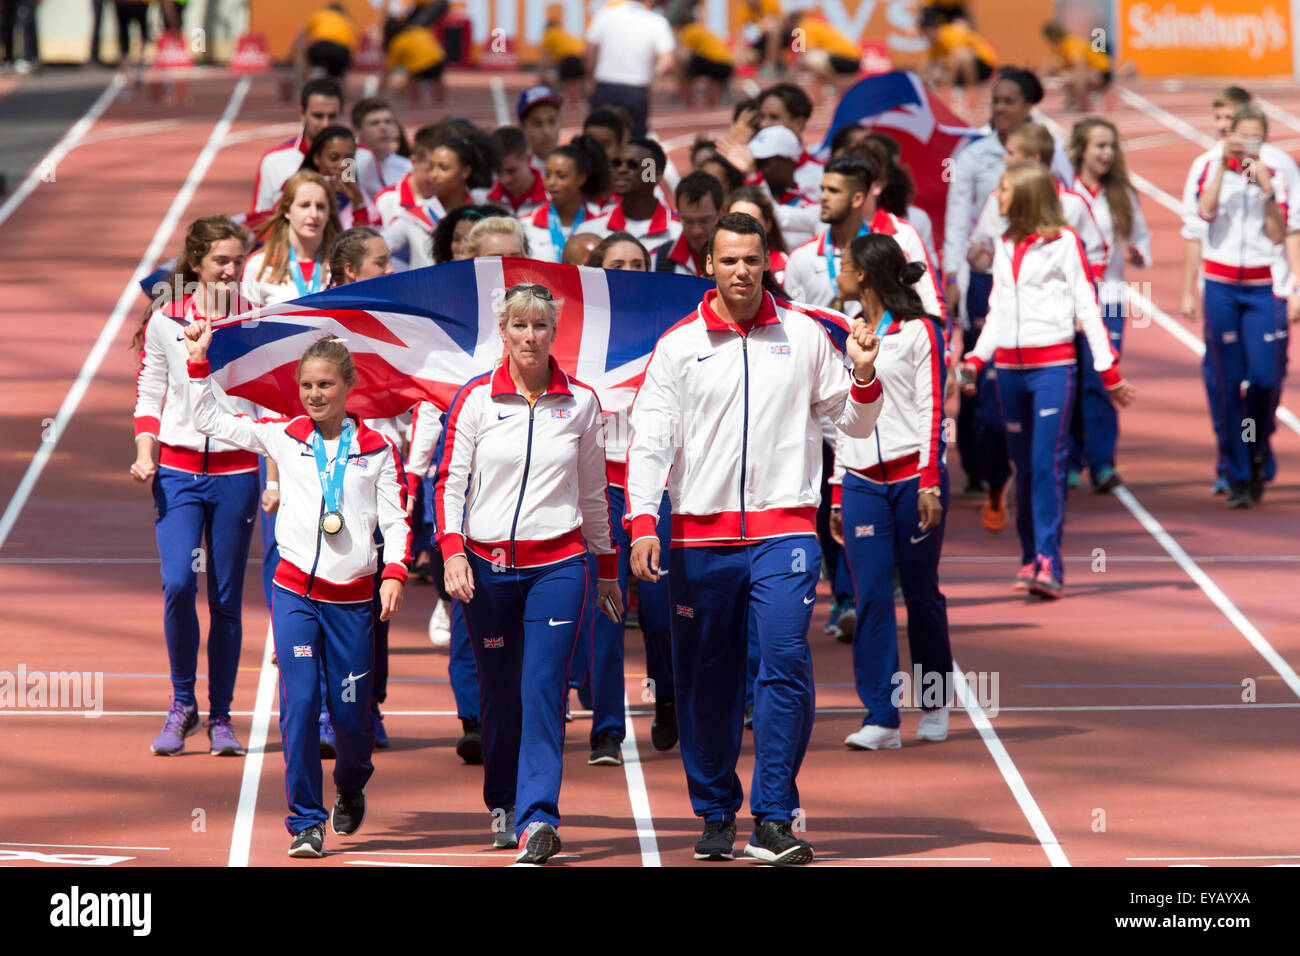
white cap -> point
(776, 141)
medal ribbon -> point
(558, 238)
(295, 271)
(828, 248)
(331, 482)
(886, 322)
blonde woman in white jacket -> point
(1041, 283)
(339, 481)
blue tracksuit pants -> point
(523, 627)
(604, 638)
(1036, 405)
(881, 532)
(310, 637)
(204, 523)
(716, 593)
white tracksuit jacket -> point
(731, 423)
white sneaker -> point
(933, 725)
(872, 737)
(440, 625)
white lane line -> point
(1028, 806)
(87, 846)
(47, 168)
(499, 100)
(904, 859)
(636, 792)
(1175, 123)
(241, 836)
(1212, 591)
(391, 863)
(1274, 112)
(125, 303)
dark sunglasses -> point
(540, 291)
(620, 163)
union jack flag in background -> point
(928, 133)
(420, 335)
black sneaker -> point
(309, 842)
(1255, 487)
(663, 729)
(606, 753)
(718, 841)
(1239, 495)
(541, 842)
(349, 811)
(773, 842)
(470, 747)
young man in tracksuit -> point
(728, 416)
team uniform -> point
(743, 478)
(274, 169)
(814, 266)
(797, 212)
(566, 50)
(205, 496)
(532, 199)
(1040, 286)
(331, 38)
(312, 276)
(709, 54)
(662, 227)
(521, 493)
(1240, 265)
(547, 235)
(417, 52)
(844, 54)
(321, 615)
(677, 259)
(955, 36)
(1099, 421)
(882, 475)
(408, 224)
(374, 176)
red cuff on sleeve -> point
(412, 483)
(199, 370)
(607, 566)
(146, 425)
(972, 359)
(929, 477)
(1098, 271)
(643, 526)
(394, 572)
(837, 495)
(451, 545)
(753, 179)
(866, 394)
(1111, 377)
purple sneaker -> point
(181, 722)
(222, 735)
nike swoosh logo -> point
(249, 519)
(1044, 412)
(920, 539)
(703, 358)
(810, 600)
(501, 417)
(354, 677)
(555, 623)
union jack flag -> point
(928, 133)
(420, 335)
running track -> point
(1122, 737)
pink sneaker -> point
(1045, 583)
(1025, 577)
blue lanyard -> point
(331, 482)
(295, 271)
(829, 250)
(558, 237)
(886, 322)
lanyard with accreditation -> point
(331, 481)
(828, 248)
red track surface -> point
(1150, 736)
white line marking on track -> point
(499, 100)
(1274, 112)
(1144, 859)
(124, 304)
(88, 846)
(1212, 591)
(1181, 126)
(50, 161)
(640, 799)
(391, 863)
(241, 835)
(1028, 805)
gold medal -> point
(331, 522)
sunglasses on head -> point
(540, 291)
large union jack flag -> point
(420, 335)
(928, 133)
